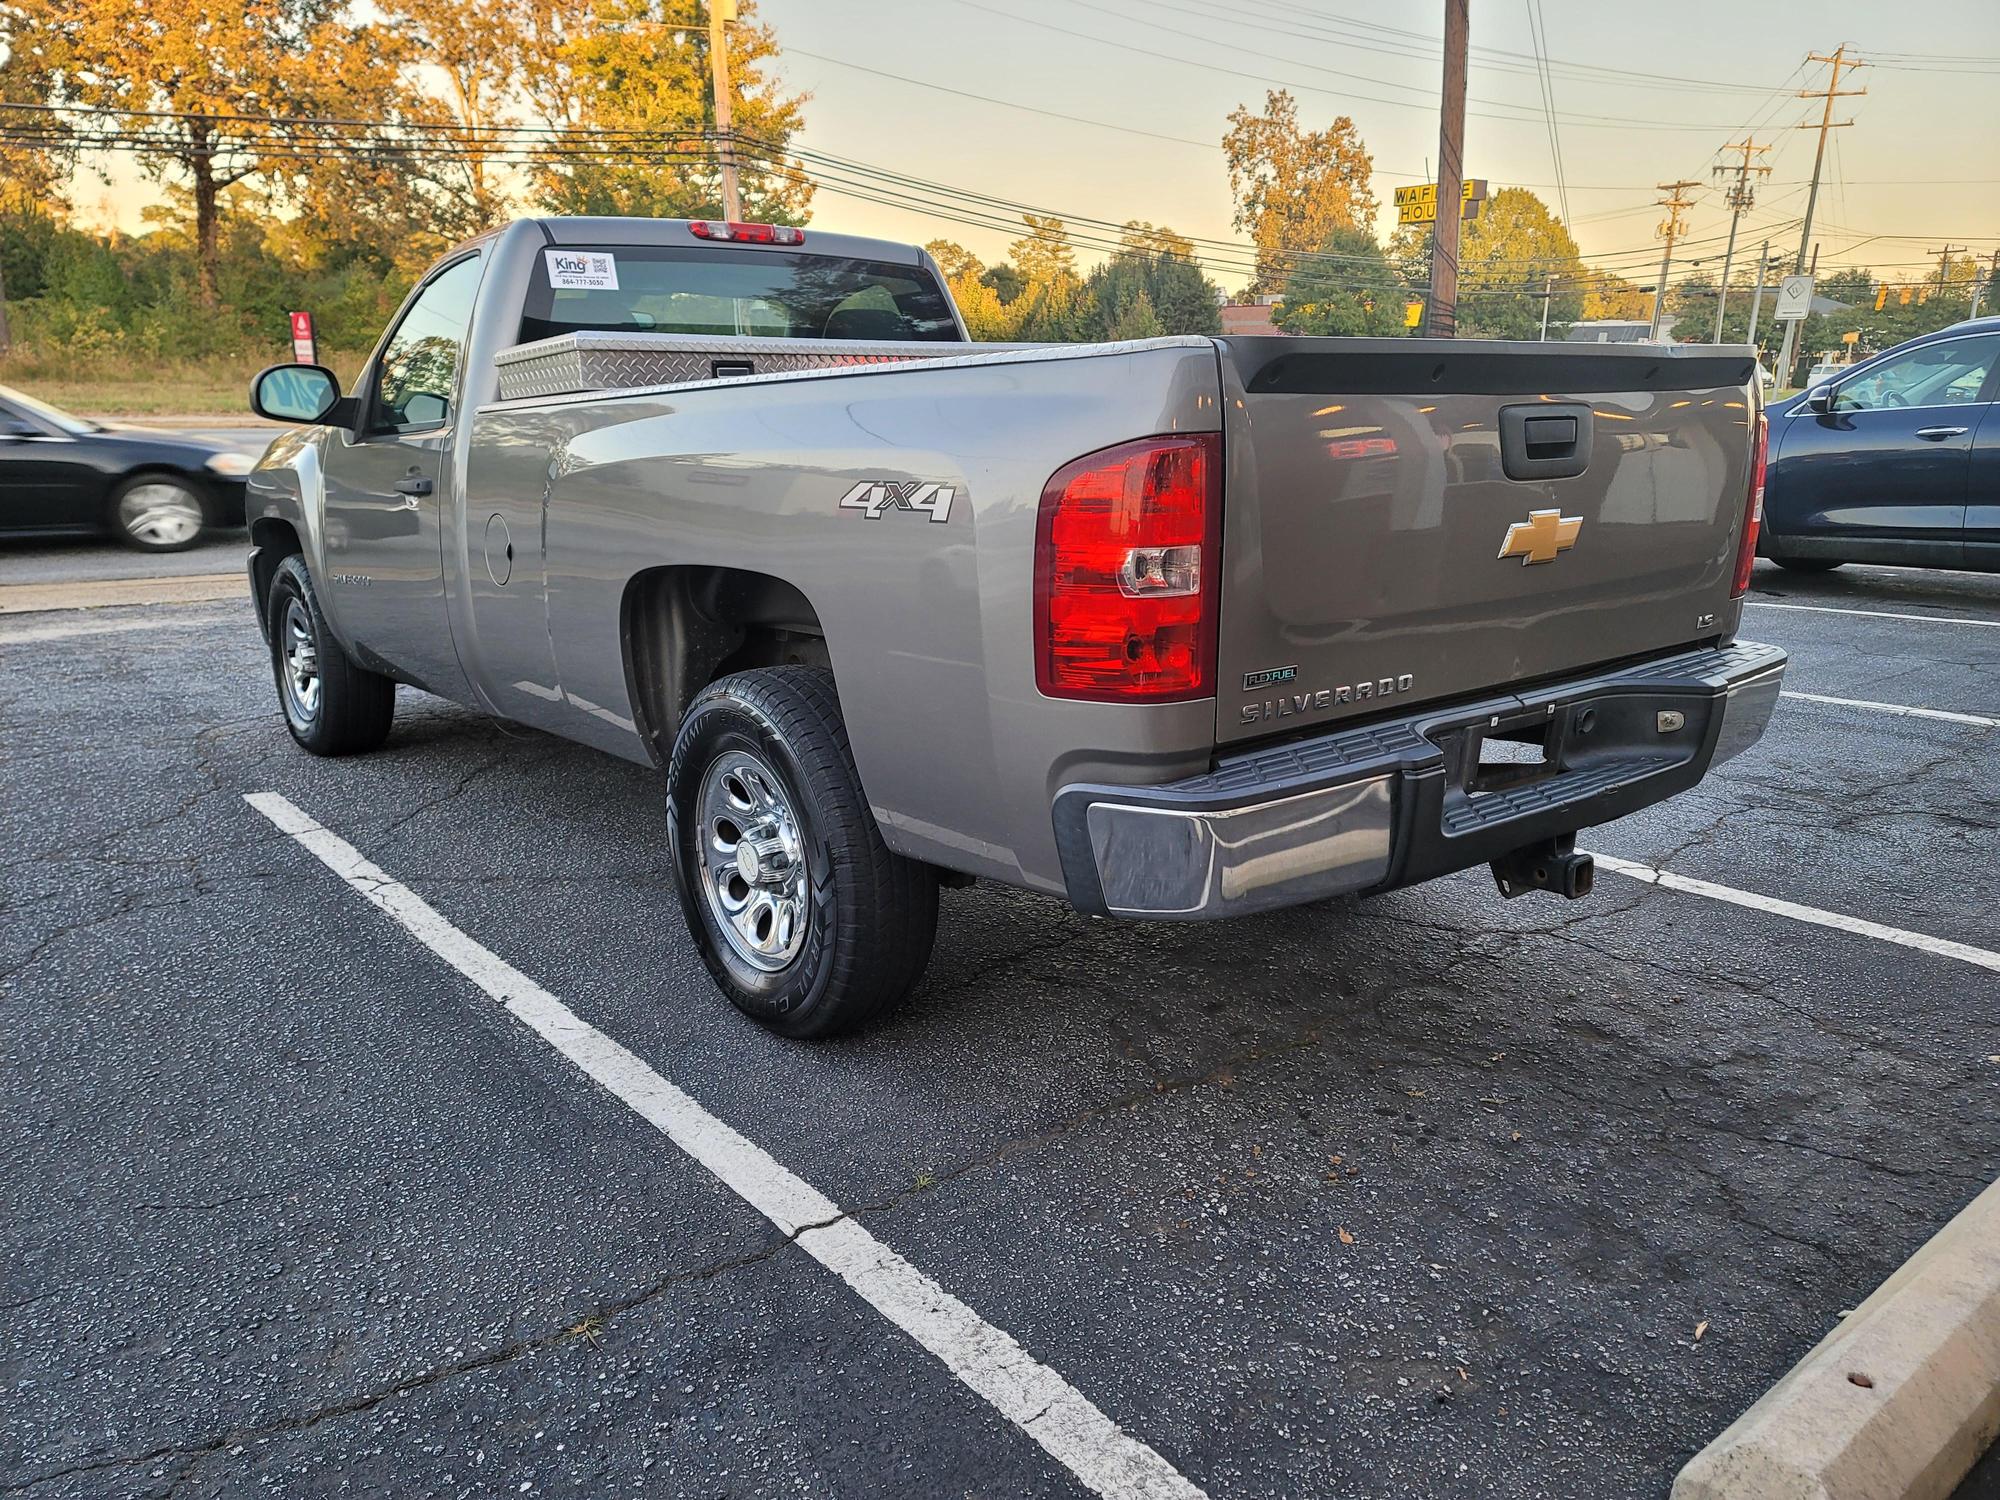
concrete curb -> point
(100, 593)
(1896, 1403)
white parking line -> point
(1028, 1393)
(1873, 614)
(1981, 720)
(1984, 958)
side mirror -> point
(295, 393)
(1820, 399)
(14, 429)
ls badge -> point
(1539, 538)
(872, 497)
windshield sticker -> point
(582, 270)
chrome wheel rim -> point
(298, 667)
(753, 862)
(160, 513)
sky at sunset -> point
(1644, 93)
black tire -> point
(1807, 564)
(158, 512)
(352, 708)
(862, 919)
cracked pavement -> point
(1425, 1194)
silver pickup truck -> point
(1174, 629)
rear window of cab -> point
(728, 292)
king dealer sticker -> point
(582, 270)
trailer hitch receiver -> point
(1549, 865)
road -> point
(1428, 1194)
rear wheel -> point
(805, 919)
(158, 513)
(1806, 564)
(331, 706)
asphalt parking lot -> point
(1428, 1194)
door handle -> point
(416, 484)
(1939, 434)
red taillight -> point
(1126, 572)
(747, 234)
(1753, 508)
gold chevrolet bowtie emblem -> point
(1539, 538)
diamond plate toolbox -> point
(573, 363)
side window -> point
(419, 372)
(1941, 374)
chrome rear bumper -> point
(1395, 802)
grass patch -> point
(110, 384)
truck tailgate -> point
(1369, 497)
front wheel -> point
(807, 921)
(158, 513)
(332, 706)
(1806, 564)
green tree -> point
(1006, 282)
(1056, 313)
(1354, 291)
(1293, 187)
(1137, 320)
(1854, 285)
(1508, 258)
(1178, 296)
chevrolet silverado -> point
(1175, 629)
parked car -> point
(61, 474)
(1176, 629)
(1894, 459)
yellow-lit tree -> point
(207, 92)
(641, 68)
(1294, 187)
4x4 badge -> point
(874, 496)
(1539, 538)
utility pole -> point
(6, 341)
(1672, 227)
(1548, 296)
(1442, 306)
(1944, 265)
(1757, 296)
(720, 14)
(1835, 62)
(1831, 92)
(1741, 197)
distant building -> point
(1619, 331)
(1250, 317)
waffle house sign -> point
(1419, 204)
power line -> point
(1211, 66)
(1537, 34)
(1418, 45)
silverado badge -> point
(1539, 538)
